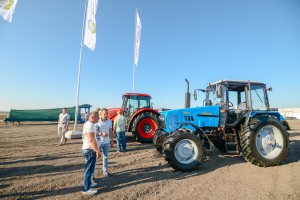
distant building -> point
(290, 112)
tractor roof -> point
(136, 94)
(236, 85)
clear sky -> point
(201, 40)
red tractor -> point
(143, 120)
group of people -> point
(97, 136)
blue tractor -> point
(236, 118)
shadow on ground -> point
(42, 193)
(163, 172)
(294, 149)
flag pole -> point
(133, 77)
(79, 68)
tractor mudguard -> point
(199, 130)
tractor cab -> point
(236, 99)
(132, 102)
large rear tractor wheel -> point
(144, 126)
(183, 150)
(264, 142)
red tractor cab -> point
(142, 119)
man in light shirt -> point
(106, 139)
(119, 129)
(90, 152)
(98, 139)
(63, 125)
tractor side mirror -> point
(269, 89)
(219, 91)
(195, 95)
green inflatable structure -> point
(44, 114)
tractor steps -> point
(231, 143)
(232, 152)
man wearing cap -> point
(63, 125)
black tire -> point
(144, 126)
(286, 125)
(158, 139)
(264, 142)
(174, 142)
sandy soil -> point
(33, 166)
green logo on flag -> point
(92, 27)
(6, 4)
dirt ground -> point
(33, 166)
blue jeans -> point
(105, 149)
(90, 160)
(121, 141)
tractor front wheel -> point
(144, 127)
(158, 138)
(183, 150)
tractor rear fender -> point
(268, 113)
(139, 112)
(198, 129)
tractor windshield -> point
(258, 99)
(216, 100)
(131, 103)
(214, 95)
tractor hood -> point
(113, 112)
(207, 116)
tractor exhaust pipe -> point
(187, 95)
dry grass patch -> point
(3, 115)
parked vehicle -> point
(143, 120)
(291, 118)
(236, 118)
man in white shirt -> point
(106, 139)
(90, 152)
(98, 139)
(63, 125)
(119, 130)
